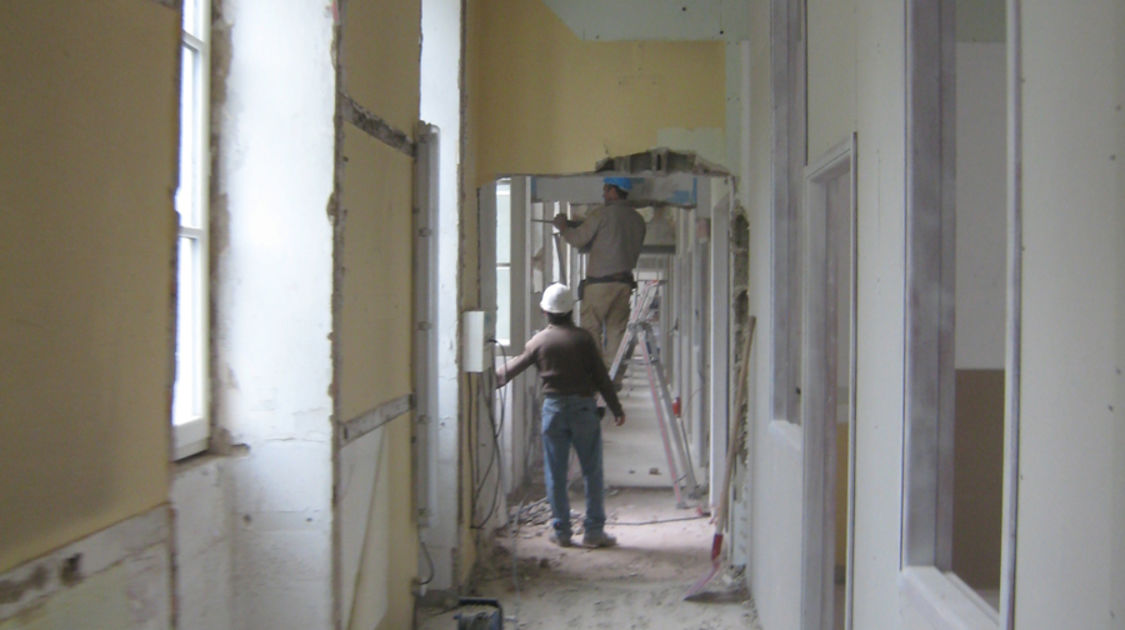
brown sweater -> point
(569, 363)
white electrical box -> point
(472, 341)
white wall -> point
(775, 467)
(1070, 555)
(440, 105)
(880, 281)
(203, 545)
(273, 284)
(776, 578)
(879, 121)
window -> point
(190, 424)
(504, 261)
(955, 448)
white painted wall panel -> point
(880, 280)
(757, 192)
(1069, 554)
(440, 104)
(776, 580)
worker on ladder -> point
(611, 235)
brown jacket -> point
(569, 363)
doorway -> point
(828, 392)
(685, 210)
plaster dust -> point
(639, 584)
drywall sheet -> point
(381, 58)
(1069, 555)
(388, 555)
(87, 237)
(374, 344)
(377, 525)
(359, 466)
(880, 281)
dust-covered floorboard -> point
(662, 550)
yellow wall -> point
(87, 229)
(380, 50)
(375, 320)
(544, 101)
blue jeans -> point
(572, 420)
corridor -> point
(661, 550)
(257, 257)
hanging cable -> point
(429, 563)
(495, 457)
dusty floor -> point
(662, 549)
(640, 583)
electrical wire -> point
(429, 563)
(496, 450)
(495, 457)
(659, 521)
(523, 499)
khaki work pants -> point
(605, 313)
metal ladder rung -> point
(639, 330)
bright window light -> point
(190, 399)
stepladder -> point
(640, 348)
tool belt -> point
(625, 277)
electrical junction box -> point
(472, 341)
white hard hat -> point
(558, 299)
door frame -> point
(819, 385)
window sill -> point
(189, 438)
(944, 601)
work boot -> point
(595, 540)
(558, 539)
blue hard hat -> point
(624, 183)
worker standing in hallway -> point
(571, 370)
(612, 235)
